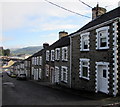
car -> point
(13, 75)
(8, 73)
(21, 77)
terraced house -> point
(37, 66)
(96, 53)
(58, 61)
(88, 59)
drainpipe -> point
(70, 59)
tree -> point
(7, 52)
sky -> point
(26, 23)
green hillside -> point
(26, 50)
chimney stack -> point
(45, 45)
(62, 34)
(97, 11)
(119, 4)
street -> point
(16, 92)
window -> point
(37, 60)
(40, 73)
(65, 53)
(40, 60)
(32, 70)
(56, 74)
(47, 70)
(47, 55)
(84, 68)
(102, 38)
(84, 43)
(57, 53)
(52, 55)
(64, 74)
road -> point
(16, 92)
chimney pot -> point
(45, 45)
(97, 11)
(62, 34)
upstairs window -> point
(102, 38)
(57, 54)
(47, 55)
(64, 73)
(40, 60)
(84, 43)
(37, 60)
(84, 68)
(52, 55)
(33, 60)
(65, 53)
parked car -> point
(22, 77)
(13, 75)
(8, 73)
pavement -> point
(110, 100)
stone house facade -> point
(95, 55)
(59, 62)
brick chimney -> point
(45, 45)
(62, 34)
(97, 11)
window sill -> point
(85, 78)
(64, 60)
(63, 81)
(84, 50)
(102, 48)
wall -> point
(94, 56)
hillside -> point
(26, 50)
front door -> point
(36, 74)
(102, 79)
(56, 75)
(52, 75)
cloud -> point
(15, 14)
(49, 27)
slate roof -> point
(64, 41)
(101, 19)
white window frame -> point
(47, 70)
(40, 73)
(37, 61)
(32, 70)
(84, 36)
(98, 37)
(81, 68)
(63, 54)
(47, 55)
(40, 62)
(57, 54)
(52, 55)
(57, 70)
(66, 74)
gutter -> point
(94, 27)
